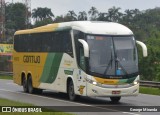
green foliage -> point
(82, 15)
(43, 22)
(93, 12)
(150, 66)
(14, 20)
(40, 14)
(6, 77)
(6, 102)
(15, 16)
(149, 90)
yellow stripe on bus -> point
(106, 81)
(47, 28)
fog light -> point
(94, 83)
(135, 83)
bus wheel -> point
(30, 86)
(71, 94)
(24, 83)
(115, 99)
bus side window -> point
(82, 58)
(68, 44)
(79, 49)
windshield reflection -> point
(112, 55)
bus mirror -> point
(144, 48)
(85, 47)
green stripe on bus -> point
(51, 67)
(131, 80)
(124, 81)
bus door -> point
(81, 82)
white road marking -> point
(130, 113)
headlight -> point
(135, 82)
(93, 82)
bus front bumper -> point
(96, 91)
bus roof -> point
(91, 27)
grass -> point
(6, 77)
(6, 102)
(150, 90)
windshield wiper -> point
(110, 63)
(118, 62)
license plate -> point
(116, 92)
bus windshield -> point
(112, 56)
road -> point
(89, 106)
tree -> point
(59, 19)
(15, 19)
(93, 12)
(102, 17)
(15, 16)
(71, 16)
(43, 22)
(82, 15)
(113, 14)
(40, 14)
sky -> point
(61, 7)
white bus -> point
(81, 58)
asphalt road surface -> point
(85, 105)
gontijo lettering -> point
(31, 59)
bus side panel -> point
(80, 82)
(58, 67)
(28, 63)
(51, 67)
(49, 71)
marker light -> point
(135, 83)
(94, 83)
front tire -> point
(71, 94)
(115, 99)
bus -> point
(79, 58)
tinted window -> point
(44, 42)
(79, 48)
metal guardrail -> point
(150, 84)
(6, 73)
(142, 83)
